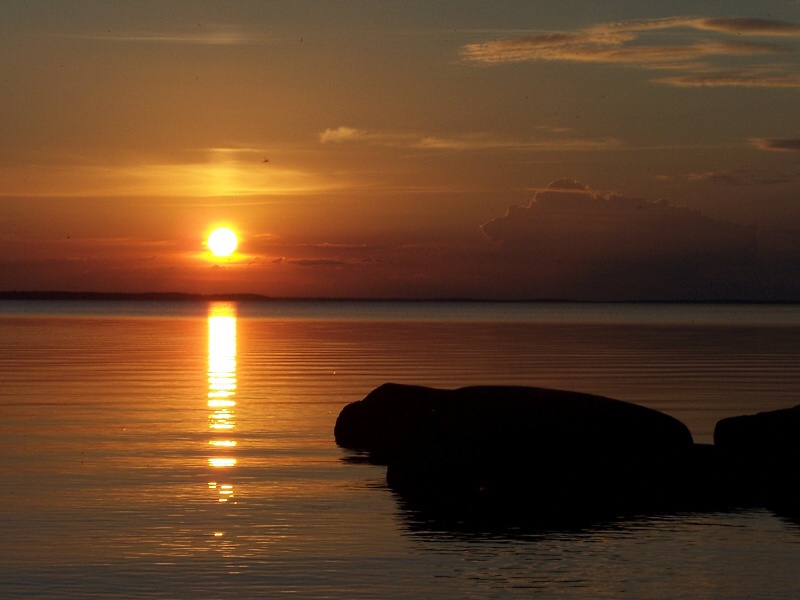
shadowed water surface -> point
(185, 450)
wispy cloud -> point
(221, 179)
(778, 144)
(733, 25)
(205, 35)
(633, 43)
(317, 262)
(732, 177)
(609, 48)
(751, 26)
(753, 77)
(342, 134)
(466, 142)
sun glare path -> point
(222, 389)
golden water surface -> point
(188, 452)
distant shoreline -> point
(131, 296)
(57, 295)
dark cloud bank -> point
(573, 242)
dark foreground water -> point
(184, 450)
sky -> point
(578, 150)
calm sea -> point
(182, 450)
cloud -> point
(778, 144)
(568, 184)
(573, 242)
(750, 26)
(604, 48)
(466, 142)
(732, 177)
(215, 34)
(633, 43)
(227, 176)
(753, 77)
(571, 224)
(733, 25)
(317, 262)
(342, 134)
(493, 143)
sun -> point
(222, 242)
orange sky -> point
(649, 150)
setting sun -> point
(222, 242)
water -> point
(185, 450)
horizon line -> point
(63, 295)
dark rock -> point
(537, 452)
(766, 434)
(760, 454)
(395, 418)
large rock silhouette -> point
(542, 453)
(760, 455)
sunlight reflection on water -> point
(221, 393)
